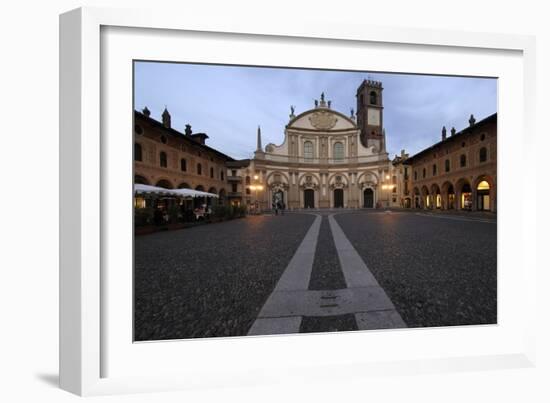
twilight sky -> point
(229, 102)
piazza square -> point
(321, 231)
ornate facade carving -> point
(323, 120)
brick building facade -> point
(459, 172)
(170, 159)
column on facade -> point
(352, 191)
(457, 200)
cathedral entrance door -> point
(368, 198)
(309, 198)
(338, 198)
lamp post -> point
(255, 187)
(387, 186)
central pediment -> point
(322, 119)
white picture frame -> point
(88, 335)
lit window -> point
(483, 185)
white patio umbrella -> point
(148, 189)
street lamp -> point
(255, 188)
(387, 188)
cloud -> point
(229, 102)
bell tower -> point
(370, 112)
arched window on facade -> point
(247, 180)
(221, 175)
(163, 159)
(137, 152)
(434, 169)
(415, 175)
(199, 169)
(373, 98)
(183, 164)
(483, 154)
(463, 160)
(423, 173)
(308, 150)
(211, 172)
(447, 165)
(338, 151)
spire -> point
(472, 120)
(146, 112)
(259, 140)
(166, 118)
(443, 133)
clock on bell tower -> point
(370, 114)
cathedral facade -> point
(328, 159)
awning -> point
(148, 189)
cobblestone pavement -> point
(223, 279)
(211, 280)
(437, 271)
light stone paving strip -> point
(326, 302)
(295, 277)
(379, 312)
(291, 300)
